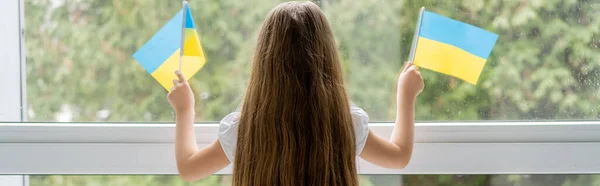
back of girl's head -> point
(295, 127)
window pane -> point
(365, 180)
(543, 67)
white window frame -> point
(441, 148)
(511, 147)
(10, 74)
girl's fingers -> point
(408, 64)
(175, 82)
(180, 77)
(413, 68)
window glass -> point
(543, 67)
(365, 180)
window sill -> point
(468, 132)
(441, 148)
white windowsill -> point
(441, 148)
(468, 132)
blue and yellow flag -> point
(451, 47)
(160, 55)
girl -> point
(296, 126)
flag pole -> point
(413, 46)
(184, 4)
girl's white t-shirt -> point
(228, 131)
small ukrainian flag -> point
(451, 47)
(160, 56)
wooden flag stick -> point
(182, 33)
(413, 46)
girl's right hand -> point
(410, 82)
(181, 96)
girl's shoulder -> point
(228, 130)
(359, 118)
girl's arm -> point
(396, 152)
(192, 163)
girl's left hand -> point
(181, 96)
(410, 82)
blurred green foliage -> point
(545, 66)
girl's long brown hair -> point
(295, 126)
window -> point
(544, 66)
(71, 88)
